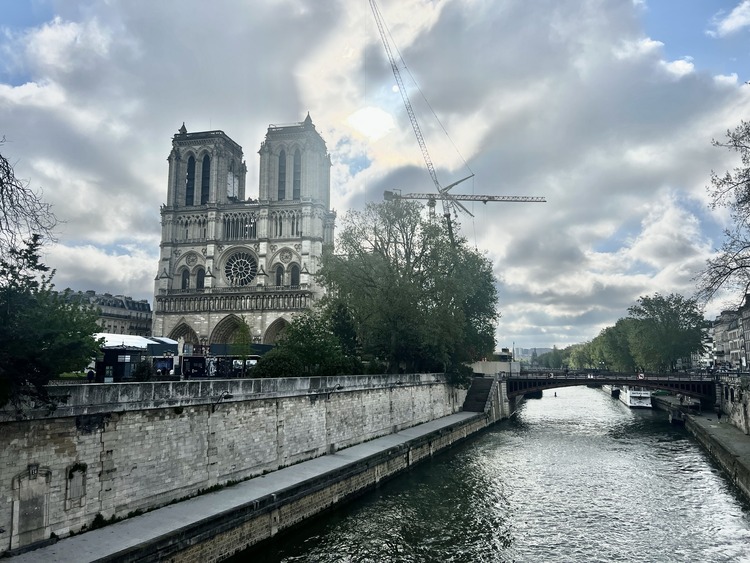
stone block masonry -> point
(116, 449)
(219, 538)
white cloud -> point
(637, 48)
(736, 20)
(680, 67)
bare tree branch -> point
(23, 212)
(730, 269)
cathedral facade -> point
(228, 261)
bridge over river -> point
(700, 386)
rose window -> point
(241, 269)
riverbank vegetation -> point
(658, 333)
(402, 296)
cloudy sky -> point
(605, 107)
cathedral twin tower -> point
(227, 260)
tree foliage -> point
(308, 347)
(658, 333)
(555, 359)
(613, 347)
(415, 300)
(664, 329)
(41, 334)
(730, 268)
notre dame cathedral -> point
(227, 259)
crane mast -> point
(448, 200)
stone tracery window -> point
(282, 176)
(190, 181)
(232, 182)
(279, 275)
(240, 269)
(294, 275)
(297, 178)
(240, 226)
(205, 177)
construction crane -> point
(448, 200)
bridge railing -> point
(609, 376)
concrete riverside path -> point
(730, 437)
(107, 542)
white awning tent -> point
(130, 341)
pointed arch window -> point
(294, 275)
(190, 182)
(205, 179)
(185, 279)
(279, 275)
(200, 279)
(297, 180)
(282, 176)
(231, 182)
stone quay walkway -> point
(106, 543)
(730, 437)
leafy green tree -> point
(580, 356)
(664, 329)
(553, 359)
(42, 334)
(418, 301)
(144, 371)
(279, 362)
(308, 347)
(614, 348)
(341, 322)
(730, 268)
(242, 343)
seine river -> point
(576, 477)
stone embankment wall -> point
(732, 397)
(114, 449)
(736, 469)
(219, 538)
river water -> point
(576, 477)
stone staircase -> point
(479, 392)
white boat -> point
(635, 396)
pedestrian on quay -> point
(91, 375)
(718, 415)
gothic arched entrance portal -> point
(234, 332)
(275, 331)
(188, 335)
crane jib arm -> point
(389, 195)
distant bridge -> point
(700, 386)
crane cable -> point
(403, 65)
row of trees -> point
(658, 333)
(401, 296)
